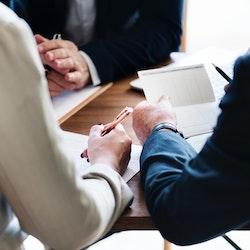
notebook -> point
(69, 102)
(76, 143)
(191, 94)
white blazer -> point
(37, 177)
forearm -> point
(192, 198)
(37, 177)
(64, 210)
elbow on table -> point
(78, 232)
(178, 234)
(176, 228)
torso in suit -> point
(195, 197)
(130, 34)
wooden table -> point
(102, 110)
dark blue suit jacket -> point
(130, 34)
(193, 198)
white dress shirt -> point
(37, 176)
(80, 28)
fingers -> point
(60, 53)
(54, 93)
(40, 39)
(55, 87)
(62, 60)
(77, 78)
(119, 127)
(56, 44)
(96, 130)
(226, 87)
(67, 63)
(59, 80)
(119, 130)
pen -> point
(57, 36)
(222, 73)
(111, 125)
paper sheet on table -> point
(184, 85)
(223, 58)
(76, 143)
(191, 94)
(67, 101)
(197, 142)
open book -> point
(191, 94)
(76, 143)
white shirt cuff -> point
(92, 69)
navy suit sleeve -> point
(193, 198)
(149, 41)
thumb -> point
(40, 39)
(96, 130)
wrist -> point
(108, 161)
(167, 126)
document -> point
(191, 94)
(76, 143)
(69, 102)
(223, 58)
(197, 142)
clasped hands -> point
(69, 70)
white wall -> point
(220, 23)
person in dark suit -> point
(116, 38)
(195, 197)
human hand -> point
(57, 83)
(146, 116)
(226, 87)
(64, 58)
(113, 149)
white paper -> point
(184, 85)
(197, 119)
(223, 58)
(197, 142)
(191, 94)
(76, 143)
(69, 100)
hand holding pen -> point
(110, 126)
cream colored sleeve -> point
(37, 178)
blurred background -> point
(219, 23)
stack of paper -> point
(191, 94)
(69, 102)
